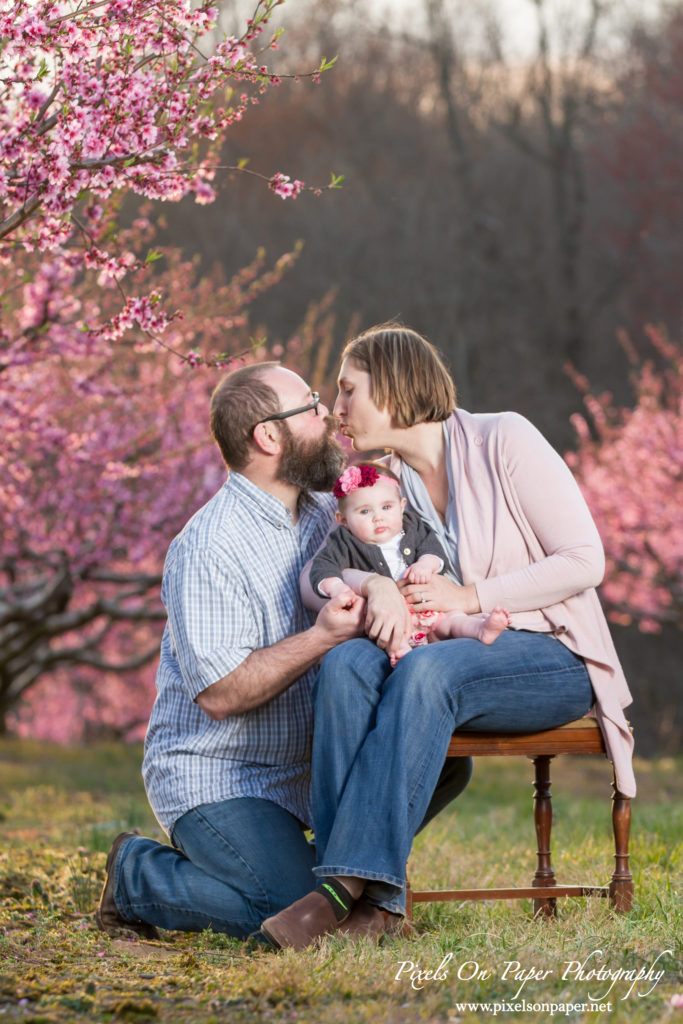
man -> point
(227, 753)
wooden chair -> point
(580, 737)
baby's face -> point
(373, 514)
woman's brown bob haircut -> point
(409, 377)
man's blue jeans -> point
(381, 736)
(236, 863)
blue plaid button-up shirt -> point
(231, 586)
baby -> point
(378, 535)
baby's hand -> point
(347, 595)
(423, 570)
(417, 574)
(334, 587)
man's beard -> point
(310, 465)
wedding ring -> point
(422, 598)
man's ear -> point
(267, 438)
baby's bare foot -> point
(400, 653)
(494, 625)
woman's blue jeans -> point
(381, 736)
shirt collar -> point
(265, 504)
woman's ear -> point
(267, 438)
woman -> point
(519, 534)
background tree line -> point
(518, 214)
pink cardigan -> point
(527, 541)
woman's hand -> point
(387, 619)
(440, 595)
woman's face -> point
(367, 426)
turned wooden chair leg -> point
(621, 885)
(408, 921)
(543, 816)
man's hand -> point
(342, 617)
(387, 619)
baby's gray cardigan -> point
(342, 551)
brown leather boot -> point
(367, 921)
(107, 914)
(298, 925)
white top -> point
(393, 556)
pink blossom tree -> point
(629, 462)
(104, 451)
(103, 459)
(108, 97)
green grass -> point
(61, 807)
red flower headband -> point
(359, 476)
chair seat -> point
(580, 737)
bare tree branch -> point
(20, 216)
(78, 657)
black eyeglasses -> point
(294, 412)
